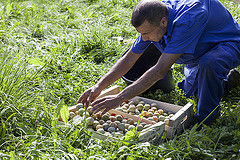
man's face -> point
(151, 32)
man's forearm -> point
(141, 85)
(112, 75)
(123, 65)
(150, 77)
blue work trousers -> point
(207, 77)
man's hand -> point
(89, 96)
(107, 103)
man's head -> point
(150, 17)
(151, 10)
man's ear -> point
(164, 22)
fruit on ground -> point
(130, 127)
(89, 121)
(121, 126)
(140, 107)
(119, 118)
(140, 127)
(105, 117)
(111, 129)
(81, 111)
(99, 126)
(113, 118)
(71, 115)
(79, 105)
(147, 107)
(130, 121)
(105, 126)
(101, 130)
(95, 123)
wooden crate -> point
(177, 123)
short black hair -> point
(151, 10)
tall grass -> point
(51, 51)
(17, 93)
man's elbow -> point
(159, 75)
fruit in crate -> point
(149, 111)
(116, 125)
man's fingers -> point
(89, 97)
(106, 110)
(98, 108)
(98, 101)
(103, 105)
(83, 101)
(98, 105)
(86, 104)
(83, 97)
(80, 99)
(86, 98)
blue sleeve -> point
(187, 30)
(139, 46)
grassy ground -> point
(51, 51)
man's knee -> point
(207, 62)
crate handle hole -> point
(184, 119)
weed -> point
(51, 51)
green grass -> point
(51, 51)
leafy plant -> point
(51, 51)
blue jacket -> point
(194, 27)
